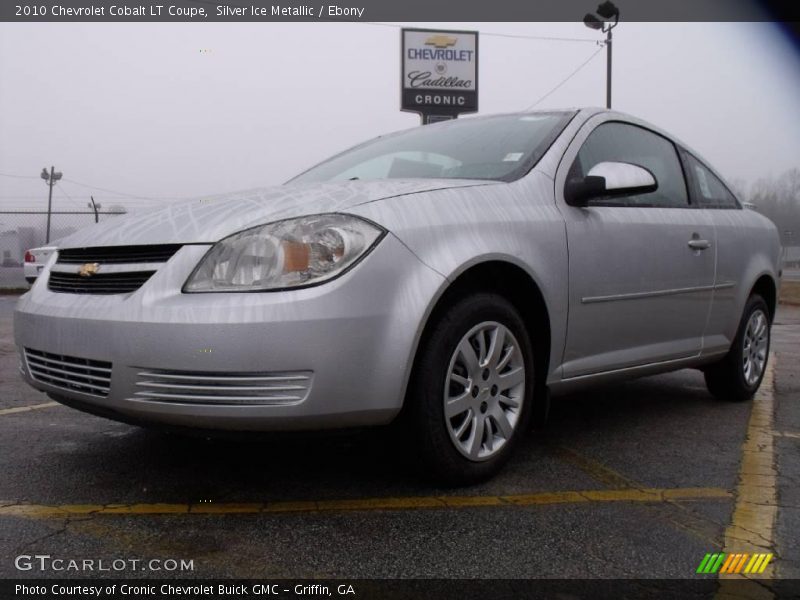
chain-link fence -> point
(23, 230)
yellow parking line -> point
(752, 525)
(44, 511)
(19, 409)
(673, 511)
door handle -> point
(696, 244)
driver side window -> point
(622, 142)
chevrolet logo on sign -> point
(441, 41)
(88, 269)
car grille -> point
(118, 254)
(104, 283)
(69, 372)
(233, 389)
(64, 280)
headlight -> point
(286, 254)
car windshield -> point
(502, 148)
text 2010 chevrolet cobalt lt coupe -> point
(448, 276)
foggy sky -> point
(174, 110)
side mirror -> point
(609, 179)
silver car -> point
(446, 278)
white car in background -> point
(35, 259)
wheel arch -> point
(515, 283)
(766, 288)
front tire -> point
(472, 391)
(737, 376)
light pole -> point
(607, 11)
(50, 179)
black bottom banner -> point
(399, 589)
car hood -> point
(210, 219)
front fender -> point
(518, 223)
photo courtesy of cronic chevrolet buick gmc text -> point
(447, 277)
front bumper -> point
(352, 338)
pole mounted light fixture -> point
(606, 11)
(592, 22)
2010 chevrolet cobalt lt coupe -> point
(447, 277)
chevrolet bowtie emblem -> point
(88, 269)
(441, 41)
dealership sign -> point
(439, 73)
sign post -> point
(439, 73)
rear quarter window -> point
(707, 189)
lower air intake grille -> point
(70, 372)
(231, 389)
(102, 283)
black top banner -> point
(385, 10)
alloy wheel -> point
(484, 390)
(754, 347)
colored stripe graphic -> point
(715, 567)
(740, 564)
(734, 563)
(754, 563)
(767, 558)
(704, 563)
(728, 562)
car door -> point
(641, 267)
(735, 243)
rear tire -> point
(737, 376)
(471, 396)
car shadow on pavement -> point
(630, 422)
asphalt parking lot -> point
(638, 480)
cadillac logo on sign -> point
(88, 269)
(439, 73)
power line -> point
(63, 191)
(94, 187)
(57, 212)
(18, 176)
(518, 36)
(86, 185)
(566, 79)
(543, 38)
(38, 196)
